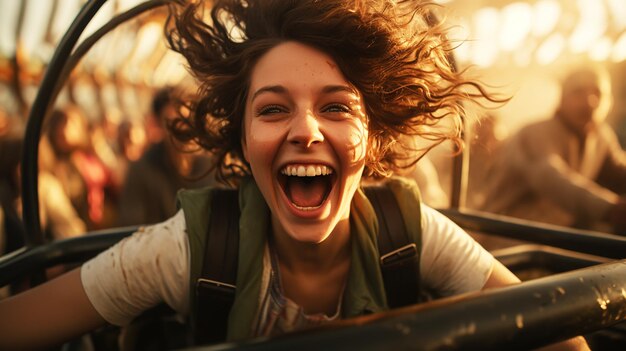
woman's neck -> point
(312, 258)
(313, 275)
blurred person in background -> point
(5, 122)
(84, 177)
(568, 170)
(11, 228)
(130, 145)
(59, 219)
(103, 141)
(487, 136)
(149, 193)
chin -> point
(308, 233)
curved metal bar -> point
(25, 262)
(519, 317)
(48, 93)
(89, 42)
(547, 258)
(594, 243)
(40, 108)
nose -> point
(593, 101)
(304, 130)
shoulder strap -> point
(215, 289)
(399, 259)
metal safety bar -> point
(586, 241)
(519, 317)
(26, 261)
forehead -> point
(581, 80)
(292, 62)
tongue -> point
(307, 192)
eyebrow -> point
(279, 89)
(338, 88)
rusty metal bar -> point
(520, 317)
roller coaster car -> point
(575, 281)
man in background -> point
(568, 170)
(149, 191)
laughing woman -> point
(298, 101)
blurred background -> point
(116, 78)
(519, 48)
(524, 47)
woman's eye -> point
(270, 110)
(336, 108)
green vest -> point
(364, 291)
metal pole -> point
(58, 70)
(594, 243)
(460, 160)
(25, 262)
(519, 317)
(460, 167)
(90, 41)
(30, 192)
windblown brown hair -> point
(385, 48)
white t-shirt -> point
(152, 266)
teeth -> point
(306, 170)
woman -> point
(306, 97)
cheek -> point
(260, 144)
(359, 141)
(353, 139)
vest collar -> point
(364, 290)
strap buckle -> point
(397, 256)
(215, 285)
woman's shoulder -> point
(202, 192)
(406, 192)
(399, 185)
(195, 201)
(147, 268)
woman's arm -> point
(139, 272)
(47, 315)
(500, 276)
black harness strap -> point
(215, 289)
(399, 257)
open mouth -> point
(306, 185)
